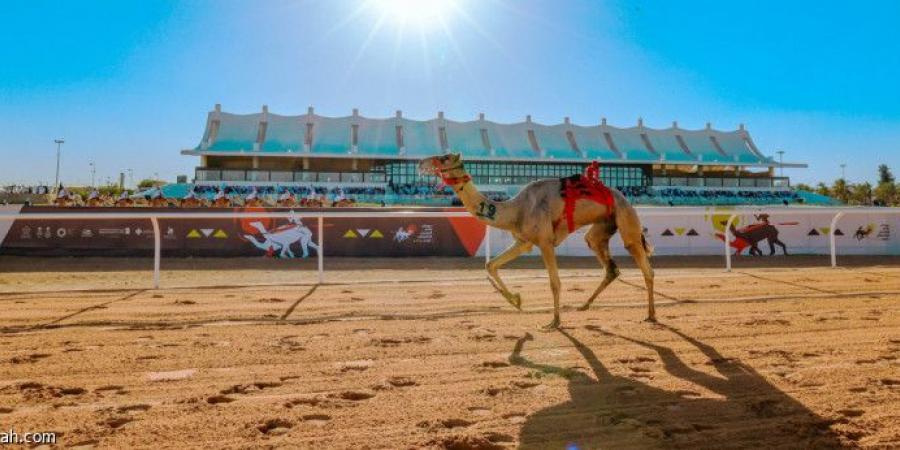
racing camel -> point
(543, 214)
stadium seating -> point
(430, 194)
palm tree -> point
(840, 191)
(861, 194)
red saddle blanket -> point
(586, 186)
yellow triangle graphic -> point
(376, 235)
(193, 234)
(350, 234)
(825, 230)
(679, 230)
(220, 234)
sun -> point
(415, 12)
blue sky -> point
(128, 83)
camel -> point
(534, 217)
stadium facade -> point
(309, 149)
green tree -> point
(822, 189)
(804, 187)
(861, 194)
(840, 190)
(148, 183)
(886, 193)
(884, 174)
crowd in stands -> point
(425, 194)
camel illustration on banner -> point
(751, 235)
(281, 238)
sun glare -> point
(416, 12)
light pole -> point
(59, 142)
(130, 177)
(843, 166)
(93, 173)
(781, 161)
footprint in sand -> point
(401, 381)
(316, 419)
(129, 408)
(359, 365)
(185, 302)
(494, 364)
(271, 300)
(479, 411)
(448, 424)
(117, 421)
(217, 399)
(355, 396)
(436, 295)
(275, 426)
(5, 410)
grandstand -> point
(377, 158)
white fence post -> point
(157, 251)
(320, 253)
(831, 238)
(728, 242)
(487, 244)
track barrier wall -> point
(381, 232)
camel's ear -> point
(455, 157)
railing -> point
(155, 216)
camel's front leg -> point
(549, 254)
(493, 266)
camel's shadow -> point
(620, 412)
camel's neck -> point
(487, 211)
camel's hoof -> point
(650, 319)
(515, 300)
(552, 326)
(584, 307)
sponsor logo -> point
(193, 234)
(113, 232)
(220, 234)
(61, 232)
(87, 233)
(414, 234)
(25, 232)
(170, 233)
(884, 232)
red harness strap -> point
(588, 187)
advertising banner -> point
(696, 231)
(284, 238)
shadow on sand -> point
(620, 412)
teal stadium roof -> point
(312, 135)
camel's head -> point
(438, 165)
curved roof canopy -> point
(312, 135)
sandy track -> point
(757, 358)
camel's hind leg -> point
(493, 266)
(633, 238)
(598, 240)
